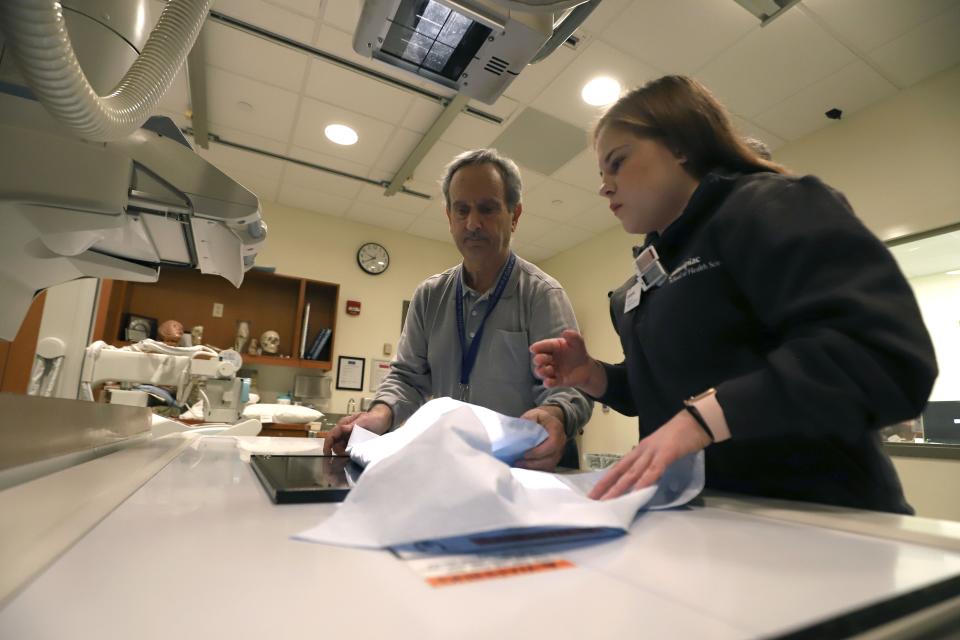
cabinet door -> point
(16, 358)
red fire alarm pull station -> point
(353, 307)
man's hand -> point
(564, 362)
(546, 455)
(378, 419)
(647, 461)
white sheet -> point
(444, 483)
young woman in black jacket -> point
(764, 322)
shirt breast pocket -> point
(508, 354)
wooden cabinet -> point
(265, 300)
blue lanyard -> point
(468, 357)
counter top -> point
(923, 450)
(199, 551)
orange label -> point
(500, 572)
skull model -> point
(270, 342)
(170, 332)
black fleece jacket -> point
(783, 301)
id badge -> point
(632, 299)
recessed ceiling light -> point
(341, 134)
(600, 91)
(955, 272)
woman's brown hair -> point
(683, 115)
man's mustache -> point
(475, 236)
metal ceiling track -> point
(303, 163)
(260, 32)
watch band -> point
(693, 411)
(708, 413)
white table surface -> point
(199, 551)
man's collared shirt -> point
(533, 307)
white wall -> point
(939, 299)
(309, 245)
(898, 163)
(588, 272)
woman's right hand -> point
(564, 362)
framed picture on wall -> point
(350, 373)
(403, 314)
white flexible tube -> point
(37, 36)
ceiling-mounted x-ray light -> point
(476, 47)
(766, 10)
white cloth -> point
(281, 413)
(444, 483)
(509, 438)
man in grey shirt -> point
(468, 331)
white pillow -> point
(281, 413)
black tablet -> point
(290, 479)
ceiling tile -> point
(679, 36)
(316, 115)
(773, 63)
(272, 110)
(923, 51)
(596, 219)
(850, 89)
(259, 174)
(372, 195)
(356, 92)
(470, 133)
(603, 14)
(329, 161)
(310, 8)
(557, 201)
(562, 97)
(248, 139)
(530, 178)
(561, 238)
(294, 195)
(380, 216)
(533, 253)
(535, 77)
(298, 175)
(421, 115)
(504, 107)
(530, 227)
(582, 171)
(751, 129)
(252, 57)
(868, 24)
(342, 15)
(269, 17)
(395, 153)
(432, 225)
(431, 168)
(430, 188)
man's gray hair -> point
(509, 173)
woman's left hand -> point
(646, 462)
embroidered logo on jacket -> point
(691, 266)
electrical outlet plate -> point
(217, 310)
